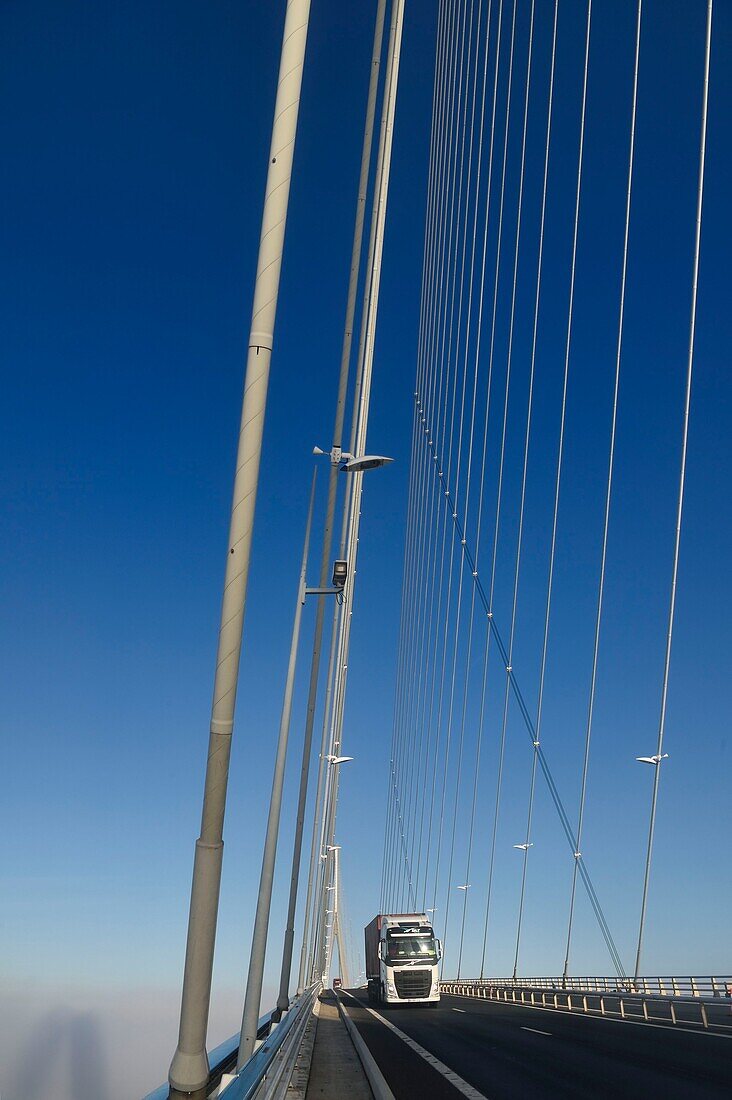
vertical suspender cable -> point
(570, 315)
(423, 372)
(501, 460)
(682, 483)
(473, 561)
(446, 362)
(415, 563)
(508, 375)
(517, 568)
(608, 496)
(439, 487)
(462, 420)
(537, 298)
(481, 127)
(433, 339)
(562, 422)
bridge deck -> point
(498, 1051)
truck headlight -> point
(390, 987)
(435, 987)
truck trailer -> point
(401, 959)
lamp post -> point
(283, 999)
(261, 921)
(655, 762)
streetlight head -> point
(524, 847)
(465, 887)
(334, 847)
(338, 759)
(652, 759)
(340, 573)
(365, 462)
(318, 451)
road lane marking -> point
(454, 1079)
(463, 1010)
(536, 1031)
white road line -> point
(463, 1010)
(449, 1075)
(536, 1031)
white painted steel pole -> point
(189, 1069)
(264, 898)
(363, 392)
(356, 252)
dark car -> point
(337, 983)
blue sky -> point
(135, 152)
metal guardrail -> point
(704, 987)
(267, 1073)
(222, 1059)
(712, 1013)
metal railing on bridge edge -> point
(708, 1008)
(704, 987)
(271, 1064)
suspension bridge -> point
(536, 691)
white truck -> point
(401, 959)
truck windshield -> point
(411, 947)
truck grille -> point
(413, 983)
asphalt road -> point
(507, 1051)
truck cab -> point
(402, 956)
